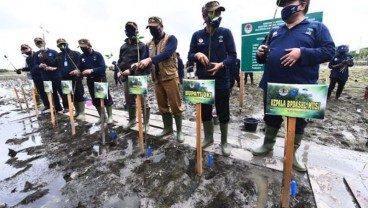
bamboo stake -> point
(35, 101)
(102, 101)
(241, 92)
(25, 98)
(49, 95)
(16, 93)
(71, 116)
(139, 110)
(199, 141)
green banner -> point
(101, 90)
(199, 91)
(296, 100)
(67, 87)
(47, 85)
(253, 33)
(137, 85)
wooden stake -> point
(71, 116)
(199, 140)
(34, 100)
(49, 95)
(241, 92)
(102, 104)
(25, 98)
(140, 128)
(288, 160)
(16, 93)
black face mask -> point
(63, 47)
(130, 32)
(155, 32)
(85, 50)
(28, 53)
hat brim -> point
(152, 25)
(220, 8)
(281, 3)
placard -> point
(137, 85)
(101, 90)
(199, 91)
(67, 87)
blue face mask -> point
(155, 32)
(288, 11)
(85, 50)
(130, 32)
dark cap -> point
(154, 21)
(24, 46)
(281, 3)
(37, 40)
(84, 42)
(60, 41)
(212, 6)
(132, 24)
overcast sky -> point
(102, 22)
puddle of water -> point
(94, 129)
(131, 200)
(157, 158)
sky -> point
(103, 21)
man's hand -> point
(126, 73)
(214, 70)
(144, 63)
(263, 51)
(203, 59)
(291, 57)
(87, 72)
(43, 66)
(75, 72)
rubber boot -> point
(132, 111)
(109, 115)
(98, 108)
(82, 115)
(225, 147)
(146, 119)
(179, 134)
(268, 143)
(76, 108)
(208, 133)
(298, 165)
(168, 125)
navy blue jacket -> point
(50, 55)
(222, 50)
(340, 70)
(65, 63)
(180, 68)
(316, 46)
(93, 61)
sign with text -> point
(199, 91)
(101, 90)
(253, 33)
(296, 100)
(67, 87)
(137, 85)
(47, 85)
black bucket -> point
(250, 124)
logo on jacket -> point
(274, 34)
(200, 41)
(94, 58)
(309, 31)
(83, 60)
(221, 39)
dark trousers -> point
(340, 87)
(276, 121)
(56, 89)
(91, 88)
(38, 82)
(221, 105)
(246, 77)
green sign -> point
(253, 33)
(47, 85)
(137, 85)
(296, 100)
(67, 87)
(101, 90)
(199, 91)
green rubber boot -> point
(81, 115)
(132, 111)
(298, 165)
(76, 108)
(99, 109)
(225, 147)
(109, 115)
(268, 143)
(168, 125)
(146, 118)
(179, 134)
(208, 133)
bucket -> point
(250, 124)
(89, 103)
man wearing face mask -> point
(164, 72)
(128, 56)
(292, 56)
(340, 70)
(35, 73)
(50, 73)
(66, 62)
(92, 65)
(213, 50)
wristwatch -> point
(91, 70)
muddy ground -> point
(54, 169)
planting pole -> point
(71, 116)
(139, 110)
(241, 92)
(199, 141)
(288, 160)
(49, 95)
(16, 93)
(25, 98)
(102, 113)
(34, 100)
